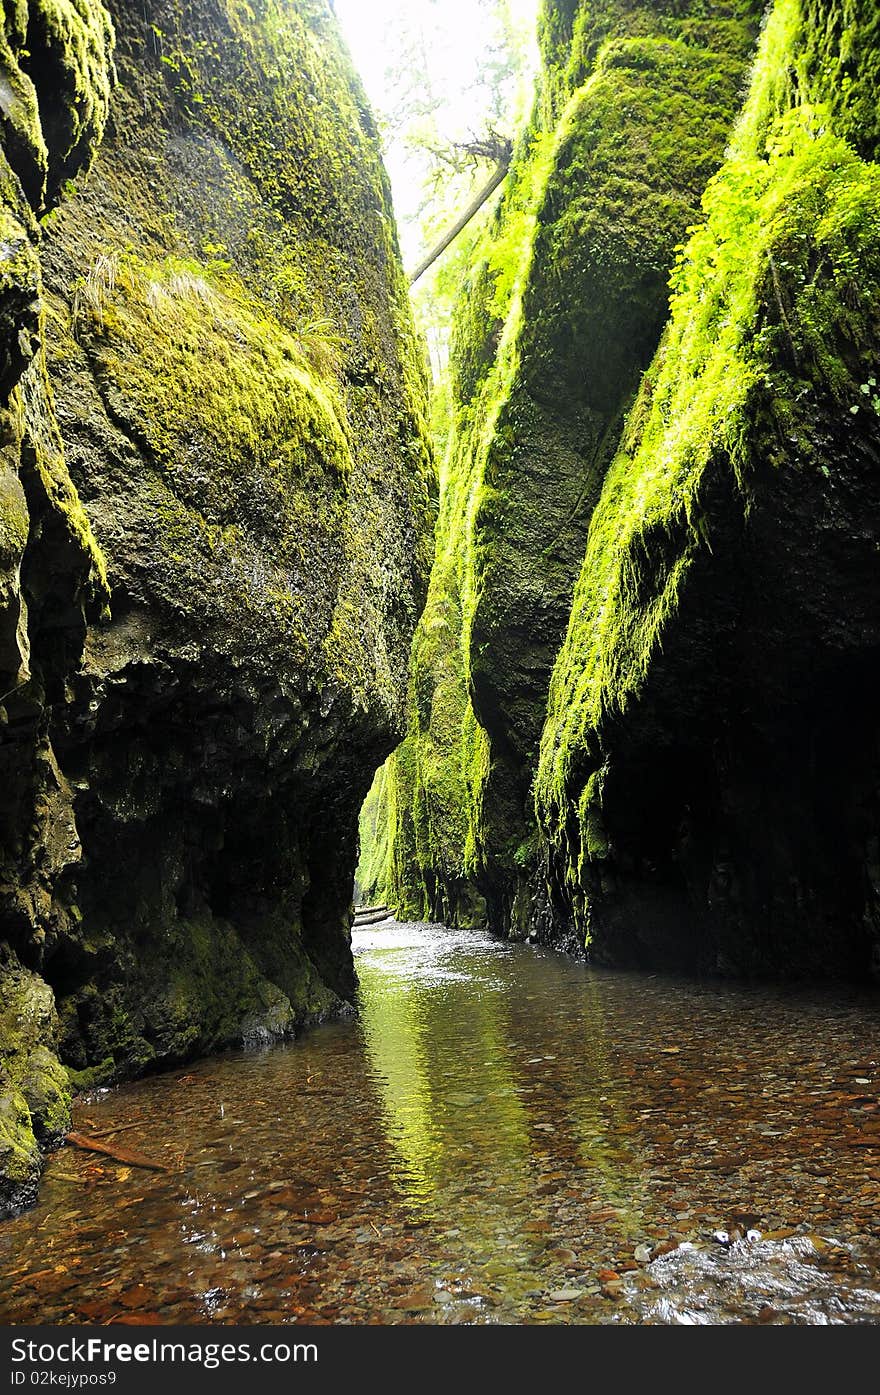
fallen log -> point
(497, 149)
(360, 922)
(122, 1155)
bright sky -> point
(453, 39)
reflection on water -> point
(503, 1136)
(450, 1103)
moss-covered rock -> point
(222, 424)
(56, 67)
(635, 147)
(709, 708)
(706, 786)
(34, 1089)
(562, 312)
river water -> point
(502, 1136)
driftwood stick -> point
(121, 1155)
(117, 1128)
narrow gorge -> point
(562, 635)
(640, 716)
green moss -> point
(45, 450)
(572, 33)
(92, 1077)
(241, 334)
(73, 40)
(20, 1162)
(202, 987)
(563, 306)
(35, 1094)
(13, 521)
(774, 308)
(635, 146)
(374, 830)
(23, 136)
(204, 367)
(19, 269)
(242, 396)
(591, 820)
(56, 62)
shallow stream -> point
(503, 1136)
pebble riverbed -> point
(502, 1136)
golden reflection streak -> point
(393, 1024)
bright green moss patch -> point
(206, 368)
(242, 420)
(437, 773)
(372, 875)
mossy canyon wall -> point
(214, 538)
(641, 705)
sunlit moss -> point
(561, 308)
(775, 293)
(372, 875)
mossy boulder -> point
(34, 1088)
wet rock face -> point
(563, 310)
(652, 94)
(57, 75)
(219, 429)
(641, 720)
(753, 746)
(708, 783)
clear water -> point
(503, 1136)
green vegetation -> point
(772, 329)
(588, 713)
(69, 45)
(561, 308)
(372, 874)
(34, 1090)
